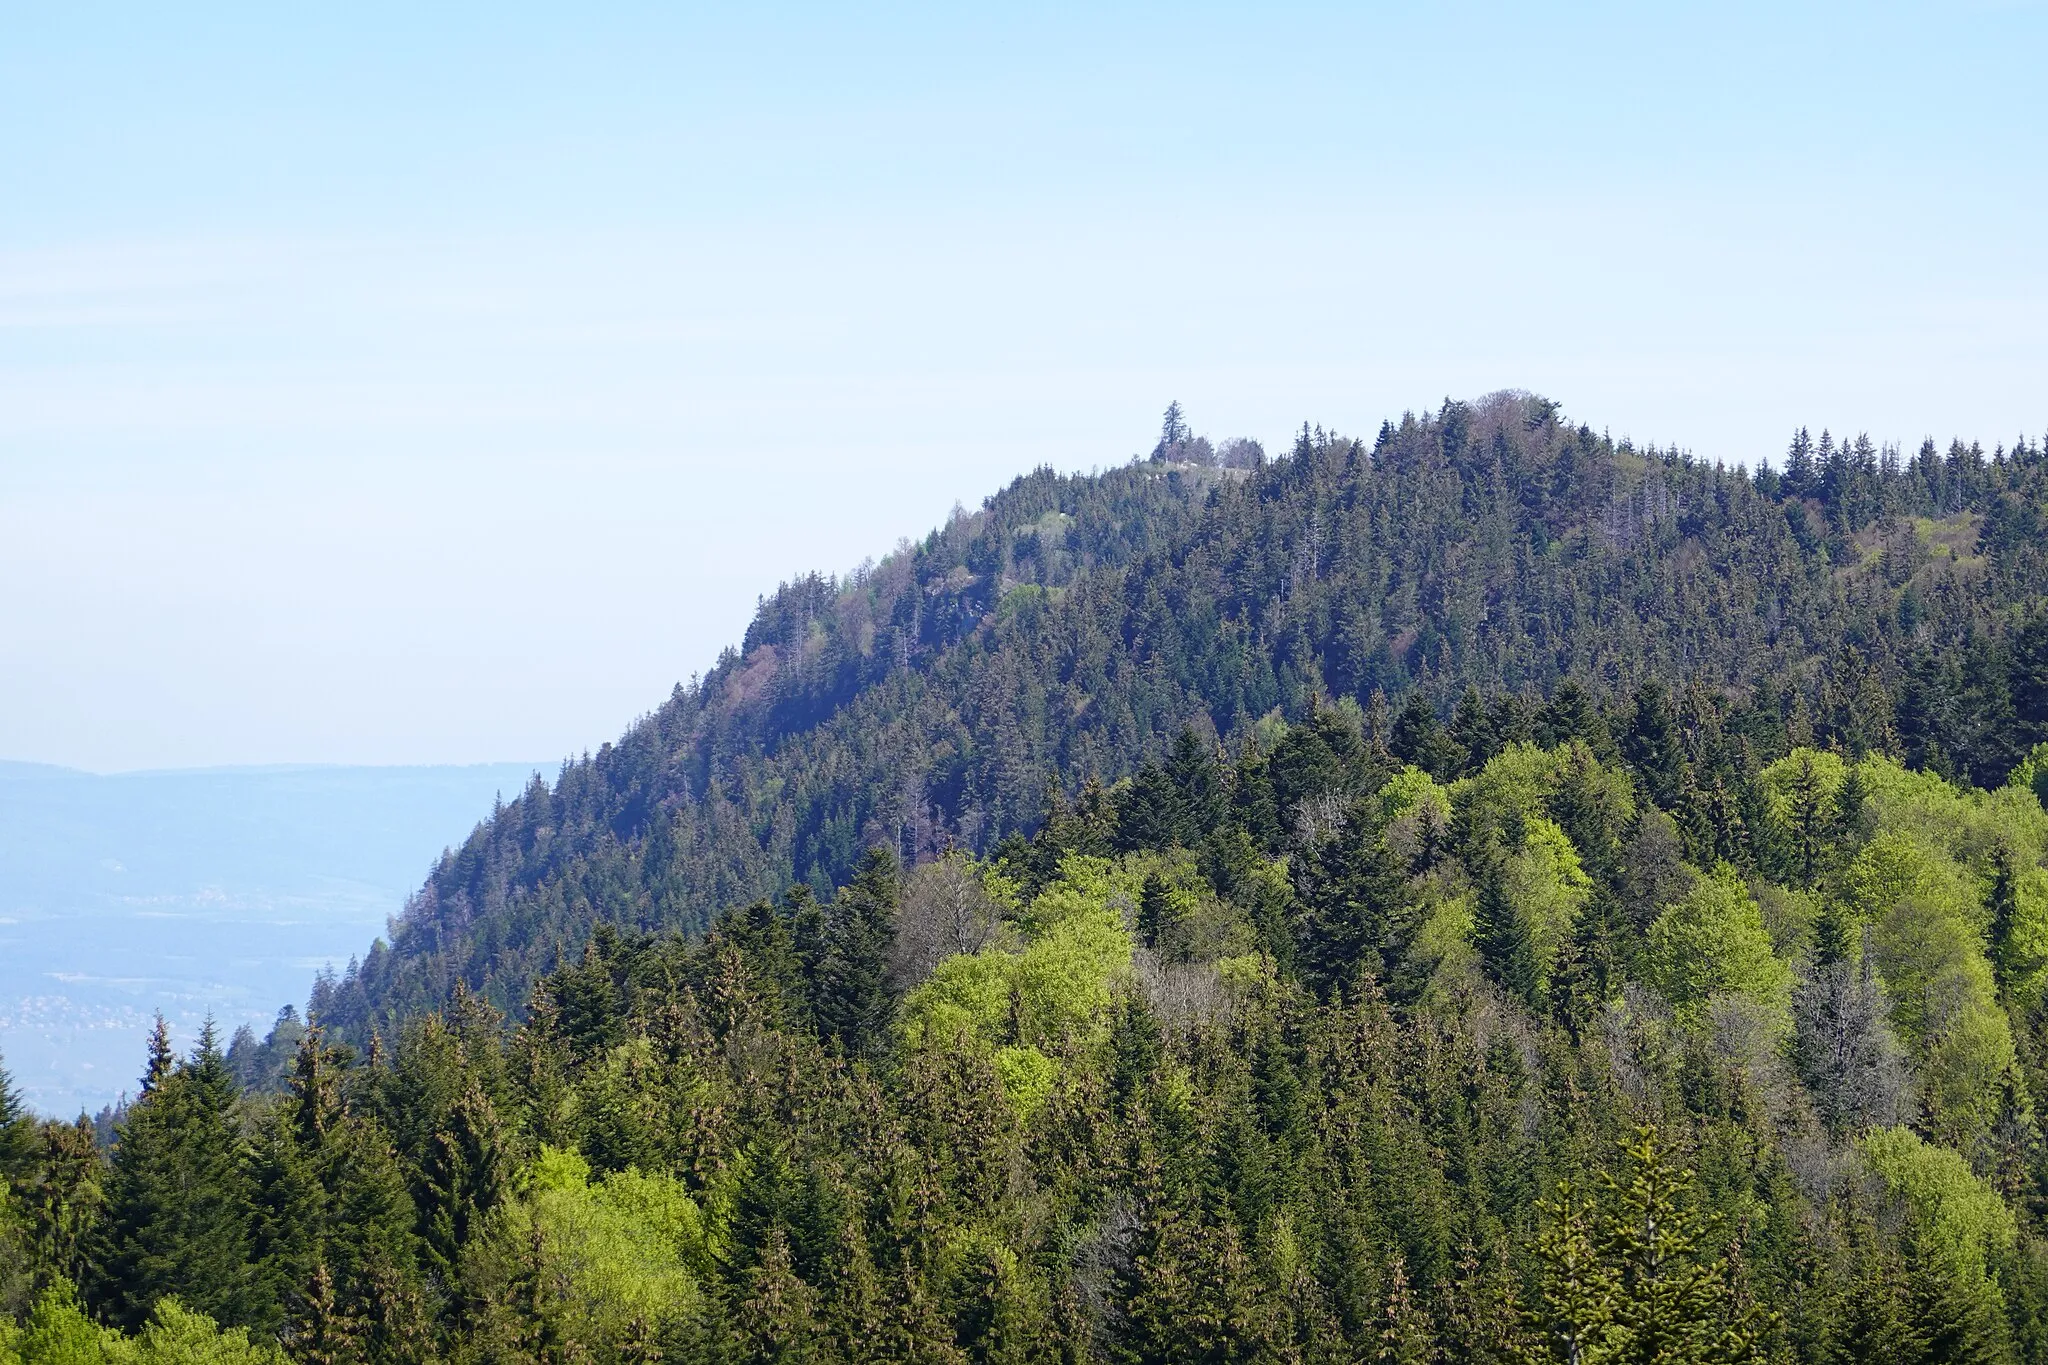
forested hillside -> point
(1484, 895)
(1072, 626)
(1506, 1062)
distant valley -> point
(217, 891)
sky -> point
(442, 384)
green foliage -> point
(1714, 942)
(1053, 991)
(1490, 549)
(1255, 892)
(853, 1002)
(1959, 1223)
(2032, 774)
(620, 1256)
(1636, 1282)
(57, 1332)
(179, 1196)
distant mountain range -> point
(218, 891)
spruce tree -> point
(1202, 803)
(855, 1003)
(17, 1133)
(462, 1181)
(1419, 739)
(1652, 743)
(1502, 935)
(179, 1196)
(1253, 806)
(1472, 729)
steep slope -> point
(1074, 625)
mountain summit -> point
(1073, 626)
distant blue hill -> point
(218, 891)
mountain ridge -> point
(1075, 623)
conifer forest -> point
(1484, 892)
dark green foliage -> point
(1307, 1103)
(1491, 549)
(854, 1003)
(1503, 939)
(1651, 743)
(1420, 740)
(1355, 890)
(461, 1180)
(17, 1133)
(179, 1196)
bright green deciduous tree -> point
(621, 1254)
(1958, 1221)
(1714, 941)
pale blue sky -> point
(384, 386)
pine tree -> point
(1352, 888)
(1419, 739)
(1811, 815)
(1158, 915)
(1569, 715)
(1151, 812)
(63, 1200)
(1576, 1322)
(1652, 744)
(1253, 805)
(1671, 1303)
(1472, 730)
(322, 1332)
(1405, 1336)
(1203, 803)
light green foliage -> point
(1200, 926)
(177, 1336)
(1714, 941)
(1407, 791)
(1945, 999)
(2026, 956)
(1634, 1282)
(59, 1333)
(1058, 984)
(1517, 785)
(1927, 936)
(1548, 888)
(1415, 813)
(2032, 775)
(1028, 1076)
(1781, 780)
(1970, 824)
(1895, 867)
(619, 1251)
(1442, 946)
(1958, 1220)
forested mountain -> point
(1073, 625)
(1489, 894)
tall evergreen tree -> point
(17, 1133)
(179, 1195)
(855, 1003)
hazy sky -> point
(438, 383)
